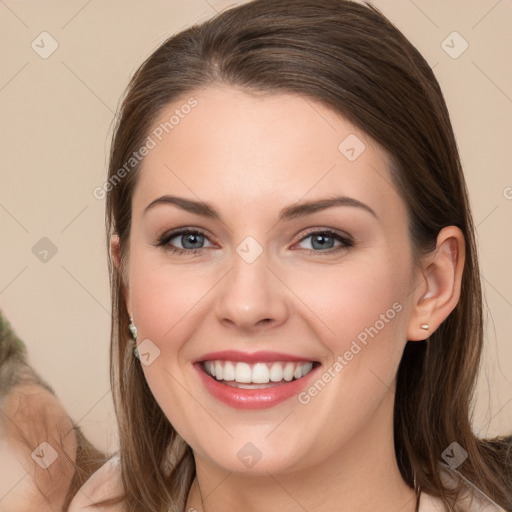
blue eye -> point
(323, 239)
(193, 239)
(187, 237)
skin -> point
(249, 156)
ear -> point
(438, 294)
(115, 255)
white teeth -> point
(209, 368)
(276, 372)
(218, 370)
(242, 372)
(229, 371)
(257, 373)
(306, 368)
(260, 373)
(288, 372)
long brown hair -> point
(351, 58)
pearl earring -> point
(425, 327)
(133, 330)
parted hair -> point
(349, 57)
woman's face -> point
(258, 280)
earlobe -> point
(442, 274)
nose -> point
(251, 296)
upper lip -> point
(249, 357)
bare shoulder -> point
(104, 483)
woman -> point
(293, 253)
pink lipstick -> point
(255, 380)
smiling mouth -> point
(260, 375)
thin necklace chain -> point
(417, 508)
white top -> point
(472, 503)
(106, 482)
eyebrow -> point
(288, 213)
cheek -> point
(363, 304)
(351, 297)
(361, 318)
(166, 297)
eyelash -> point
(163, 242)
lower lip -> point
(253, 398)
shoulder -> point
(430, 504)
(104, 483)
(470, 502)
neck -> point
(363, 475)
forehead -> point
(236, 148)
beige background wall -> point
(55, 128)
